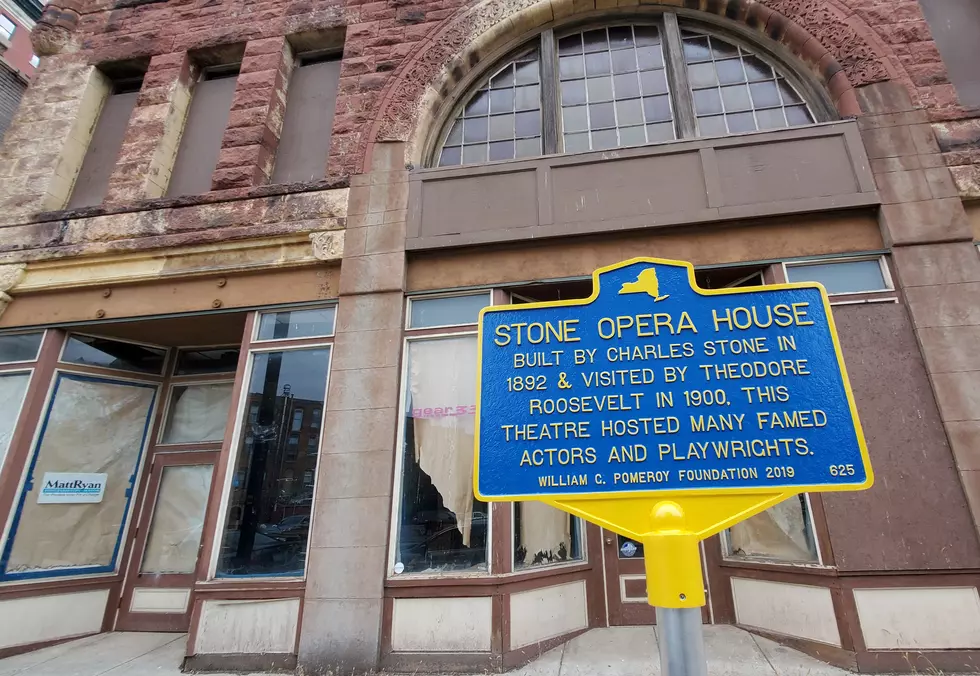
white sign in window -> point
(71, 488)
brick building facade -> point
(243, 245)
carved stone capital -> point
(53, 30)
(328, 245)
(10, 275)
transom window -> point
(617, 86)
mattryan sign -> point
(68, 488)
(654, 386)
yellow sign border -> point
(784, 490)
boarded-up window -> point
(305, 140)
(955, 25)
(103, 149)
(200, 144)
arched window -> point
(621, 85)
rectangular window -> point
(268, 516)
(782, 533)
(544, 535)
(206, 360)
(845, 276)
(107, 137)
(297, 420)
(283, 324)
(113, 354)
(204, 128)
(7, 27)
(93, 425)
(439, 311)
(15, 347)
(440, 526)
(35, 60)
(197, 413)
(315, 423)
(304, 143)
(13, 387)
(178, 520)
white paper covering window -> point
(93, 425)
(781, 533)
(198, 413)
(178, 519)
(12, 389)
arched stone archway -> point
(841, 49)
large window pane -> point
(197, 413)
(269, 507)
(843, 277)
(544, 535)
(441, 526)
(297, 323)
(113, 354)
(178, 519)
(20, 346)
(13, 386)
(781, 533)
(448, 311)
(207, 360)
(93, 425)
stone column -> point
(248, 148)
(923, 220)
(149, 147)
(341, 628)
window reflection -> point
(113, 354)
(272, 491)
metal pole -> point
(681, 642)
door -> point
(626, 587)
(167, 543)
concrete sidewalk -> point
(623, 651)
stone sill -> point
(214, 197)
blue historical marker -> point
(654, 386)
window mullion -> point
(549, 93)
(680, 88)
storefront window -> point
(95, 427)
(781, 533)
(268, 517)
(545, 536)
(16, 347)
(206, 360)
(13, 386)
(197, 413)
(306, 323)
(113, 354)
(446, 310)
(441, 526)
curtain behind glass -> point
(12, 389)
(97, 426)
(178, 519)
(198, 413)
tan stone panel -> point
(353, 641)
(945, 305)
(903, 186)
(345, 572)
(785, 238)
(958, 395)
(372, 273)
(370, 312)
(366, 349)
(964, 439)
(363, 389)
(973, 216)
(359, 431)
(931, 264)
(948, 349)
(351, 522)
(971, 486)
(922, 222)
(355, 475)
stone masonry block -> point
(943, 306)
(355, 475)
(350, 638)
(345, 573)
(958, 395)
(366, 349)
(924, 222)
(363, 389)
(931, 264)
(351, 522)
(948, 349)
(889, 142)
(370, 312)
(359, 431)
(903, 186)
(964, 439)
(372, 273)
